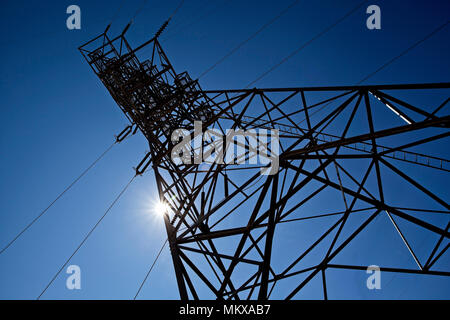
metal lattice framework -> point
(348, 157)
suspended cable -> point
(116, 14)
(153, 264)
(442, 26)
(249, 38)
(317, 36)
(151, 268)
(138, 11)
(200, 17)
(144, 2)
(58, 197)
(166, 23)
(176, 9)
(87, 236)
(307, 43)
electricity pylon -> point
(349, 176)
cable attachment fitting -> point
(123, 134)
(143, 165)
(164, 26)
(135, 128)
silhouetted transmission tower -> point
(351, 187)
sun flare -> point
(160, 207)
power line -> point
(151, 268)
(144, 2)
(285, 10)
(163, 26)
(178, 26)
(296, 50)
(442, 26)
(87, 236)
(58, 197)
(176, 9)
(317, 36)
(138, 11)
(153, 264)
(117, 12)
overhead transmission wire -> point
(163, 26)
(429, 35)
(307, 43)
(151, 268)
(87, 235)
(139, 10)
(176, 9)
(116, 14)
(253, 35)
(58, 197)
(178, 27)
(144, 2)
(404, 52)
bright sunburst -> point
(160, 207)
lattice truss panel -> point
(362, 179)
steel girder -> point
(353, 167)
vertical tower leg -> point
(171, 236)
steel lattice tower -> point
(344, 161)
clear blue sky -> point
(58, 117)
